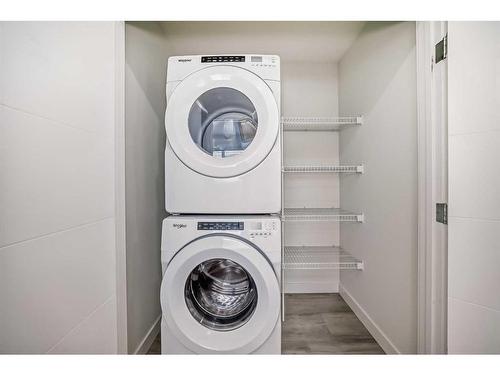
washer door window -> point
(220, 294)
(222, 121)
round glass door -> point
(222, 122)
(220, 294)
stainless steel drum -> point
(220, 294)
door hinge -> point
(442, 213)
(441, 51)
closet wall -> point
(146, 55)
(378, 80)
(309, 88)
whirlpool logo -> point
(183, 60)
(179, 226)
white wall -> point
(474, 184)
(145, 73)
(310, 89)
(378, 80)
(57, 229)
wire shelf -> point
(319, 123)
(320, 214)
(323, 169)
(319, 257)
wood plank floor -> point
(156, 346)
(323, 324)
(318, 324)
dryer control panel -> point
(223, 58)
(254, 60)
(267, 67)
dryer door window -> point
(223, 122)
(220, 294)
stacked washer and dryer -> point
(221, 244)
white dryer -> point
(220, 291)
(223, 149)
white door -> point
(432, 77)
(220, 294)
(474, 187)
(222, 121)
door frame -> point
(432, 270)
(120, 209)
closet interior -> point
(349, 177)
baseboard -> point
(147, 341)
(368, 322)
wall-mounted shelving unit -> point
(318, 257)
(323, 169)
(319, 123)
(320, 214)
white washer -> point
(220, 291)
(223, 150)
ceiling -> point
(292, 41)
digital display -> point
(221, 225)
(215, 59)
(254, 225)
(256, 59)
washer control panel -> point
(221, 225)
(262, 229)
(252, 229)
(223, 58)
